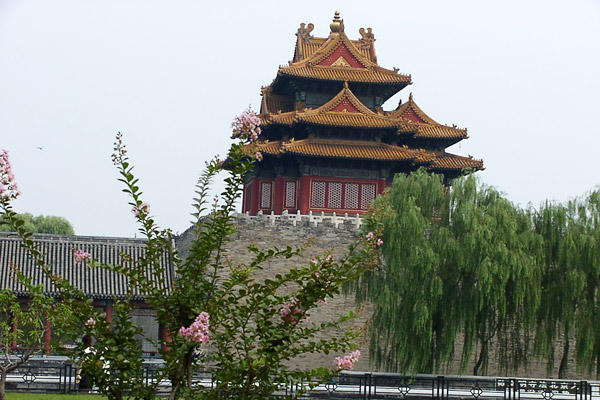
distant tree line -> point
(466, 263)
(42, 224)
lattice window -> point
(317, 198)
(290, 195)
(334, 195)
(368, 195)
(265, 195)
(351, 196)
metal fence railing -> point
(60, 376)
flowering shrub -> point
(81, 256)
(39, 311)
(246, 126)
(291, 311)
(198, 330)
(370, 237)
(142, 208)
(348, 361)
(255, 326)
(9, 189)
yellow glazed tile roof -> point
(449, 161)
(363, 117)
(311, 52)
(340, 149)
(274, 103)
(432, 131)
(427, 127)
(340, 74)
(365, 150)
(328, 114)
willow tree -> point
(570, 283)
(456, 264)
(588, 315)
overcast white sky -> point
(522, 75)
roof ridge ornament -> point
(368, 38)
(304, 32)
(337, 26)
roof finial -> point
(337, 25)
(410, 97)
(304, 32)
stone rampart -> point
(329, 233)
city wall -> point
(331, 233)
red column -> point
(381, 185)
(254, 193)
(245, 198)
(304, 195)
(47, 336)
(108, 309)
(279, 191)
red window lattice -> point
(290, 195)
(351, 196)
(317, 198)
(340, 195)
(265, 195)
(334, 195)
(367, 195)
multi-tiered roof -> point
(323, 115)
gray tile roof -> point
(58, 250)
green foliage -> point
(488, 273)
(455, 264)
(41, 224)
(571, 261)
(52, 396)
(256, 327)
(23, 327)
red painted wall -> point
(345, 105)
(342, 51)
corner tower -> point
(327, 143)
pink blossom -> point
(371, 236)
(246, 126)
(258, 155)
(119, 155)
(290, 310)
(90, 323)
(142, 209)
(81, 256)
(348, 361)
(198, 330)
(8, 187)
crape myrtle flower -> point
(143, 208)
(81, 256)
(9, 189)
(247, 126)
(198, 330)
(348, 361)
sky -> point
(523, 77)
